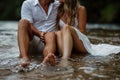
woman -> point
(71, 19)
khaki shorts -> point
(36, 46)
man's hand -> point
(42, 36)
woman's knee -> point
(66, 28)
(58, 33)
(23, 24)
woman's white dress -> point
(96, 50)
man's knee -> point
(50, 36)
(23, 24)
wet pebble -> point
(42, 75)
(58, 69)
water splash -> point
(43, 68)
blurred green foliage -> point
(10, 9)
(109, 12)
(98, 11)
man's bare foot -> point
(50, 58)
(24, 62)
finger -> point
(45, 33)
(42, 34)
(42, 40)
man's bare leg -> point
(23, 40)
(50, 48)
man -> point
(38, 17)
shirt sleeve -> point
(26, 11)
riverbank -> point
(82, 67)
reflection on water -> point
(81, 67)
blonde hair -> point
(70, 7)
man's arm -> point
(26, 13)
(38, 33)
(35, 31)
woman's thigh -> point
(77, 43)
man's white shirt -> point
(34, 13)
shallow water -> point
(82, 67)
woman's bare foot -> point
(64, 63)
(50, 58)
(24, 62)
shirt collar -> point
(36, 2)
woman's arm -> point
(82, 17)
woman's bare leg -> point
(59, 42)
(67, 42)
(78, 44)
